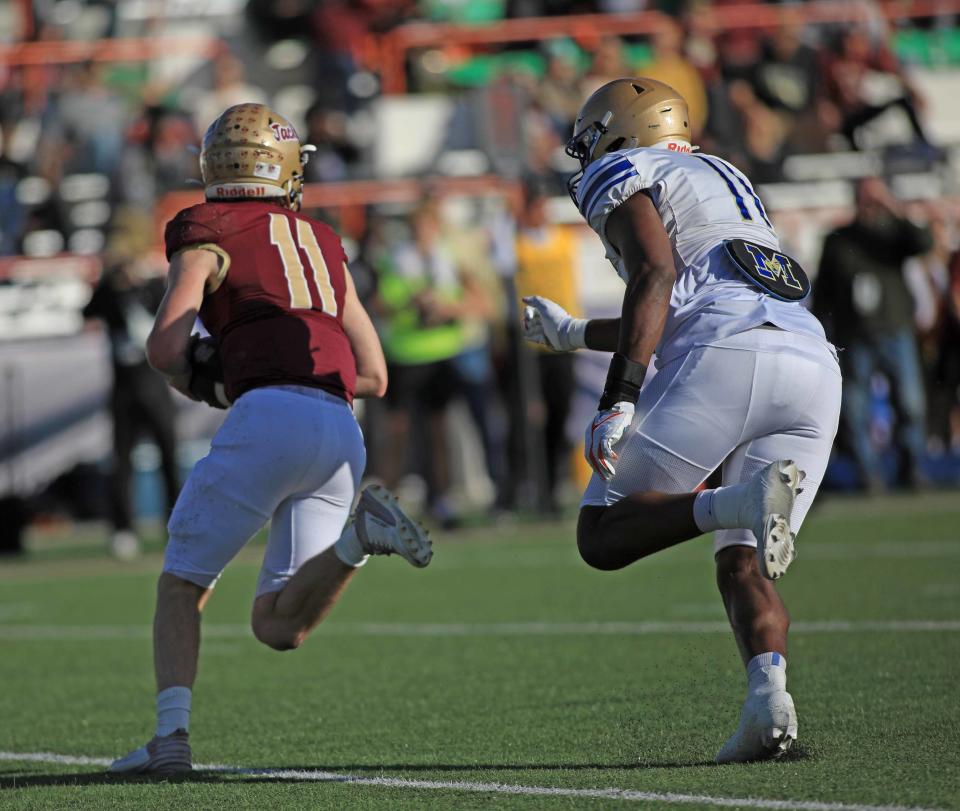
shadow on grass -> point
(796, 753)
(340, 772)
(365, 769)
(31, 779)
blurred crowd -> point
(756, 96)
(446, 297)
(86, 159)
(888, 294)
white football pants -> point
(291, 455)
(762, 395)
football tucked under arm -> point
(206, 372)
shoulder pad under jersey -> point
(613, 180)
(196, 225)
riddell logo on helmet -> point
(673, 146)
(237, 191)
(283, 133)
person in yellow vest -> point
(546, 256)
(431, 310)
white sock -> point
(173, 710)
(767, 671)
(719, 508)
(349, 550)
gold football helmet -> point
(625, 114)
(251, 152)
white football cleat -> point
(768, 728)
(383, 528)
(161, 756)
(767, 510)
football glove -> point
(606, 430)
(546, 323)
(206, 372)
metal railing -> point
(396, 45)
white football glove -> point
(606, 430)
(546, 323)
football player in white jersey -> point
(745, 378)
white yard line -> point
(632, 795)
(40, 633)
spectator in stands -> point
(341, 31)
(671, 66)
(787, 80)
(786, 75)
(559, 91)
(863, 301)
(12, 213)
(741, 126)
(546, 257)
(83, 127)
(607, 63)
(484, 310)
(928, 279)
(126, 300)
(157, 158)
(542, 143)
(230, 87)
(948, 360)
(763, 133)
(846, 72)
(740, 49)
(425, 301)
(737, 53)
(722, 127)
(336, 153)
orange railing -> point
(395, 45)
(35, 58)
(388, 52)
(135, 49)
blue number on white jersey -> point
(702, 199)
(733, 179)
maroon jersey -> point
(276, 310)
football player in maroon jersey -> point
(296, 347)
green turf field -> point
(507, 663)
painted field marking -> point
(632, 795)
(493, 557)
(43, 633)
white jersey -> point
(702, 201)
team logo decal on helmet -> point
(251, 151)
(283, 133)
(625, 114)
